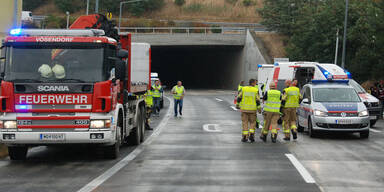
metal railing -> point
(185, 30)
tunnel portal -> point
(198, 67)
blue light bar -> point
(259, 65)
(327, 81)
(15, 32)
(348, 74)
(23, 106)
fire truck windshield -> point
(55, 64)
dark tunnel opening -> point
(198, 67)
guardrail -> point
(185, 30)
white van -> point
(26, 17)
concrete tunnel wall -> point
(206, 66)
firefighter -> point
(149, 105)
(287, 83)
(241, 85)
(178, 92)
(291, 100)
(257, 120)
(272, 99)
(156, 93)
(249, 104)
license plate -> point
(52, 137)
(344, 121)
(373, 117)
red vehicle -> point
(72, 86)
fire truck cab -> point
(70, 87)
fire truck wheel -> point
(113, 151)
(135, 135)
(142, 122)
(17, 152)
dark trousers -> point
(178, 102)
(156, 105)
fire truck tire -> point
(142, 122)
(113, 151)
(17, 152)
(135, 135)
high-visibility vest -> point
(156, 93)
(239, 88)
(248, 100)
(273, 102)
(148, 98)
(179, 92)
(293, 97)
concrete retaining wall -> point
(252, 56)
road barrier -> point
(188, 30)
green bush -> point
(30, 5)
(231, 1)
(194, 7)
(247, 3)
(139, 8)
(69, 5)
(180, 2)
(216, 30)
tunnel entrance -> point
(198, 67)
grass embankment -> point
(275, 44)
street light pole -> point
(67, 19)
(345, 34)
(121, 7)
(86, 12)
(97, 6)
(337, 46)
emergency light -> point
(15, 32)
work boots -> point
(274, 138)
(244, 139)
(287, 137)
(252, 138)
(294, 134)
(263, 137)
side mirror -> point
(122, 54)
(120, 70)
(306, 101)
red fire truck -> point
(74, 86)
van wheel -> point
(312, 133)
(364, 134)
(373, 122)
(299, 127)
(113, 151)
(18, 153)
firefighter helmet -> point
(59, 71)
(45, 71)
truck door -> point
(303, 75)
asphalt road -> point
(201, 151)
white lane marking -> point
(119, 165)
(375, 130)
(214, 130)
(303, 172)
(219, 100)
(234, 108)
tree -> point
(180, 2)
